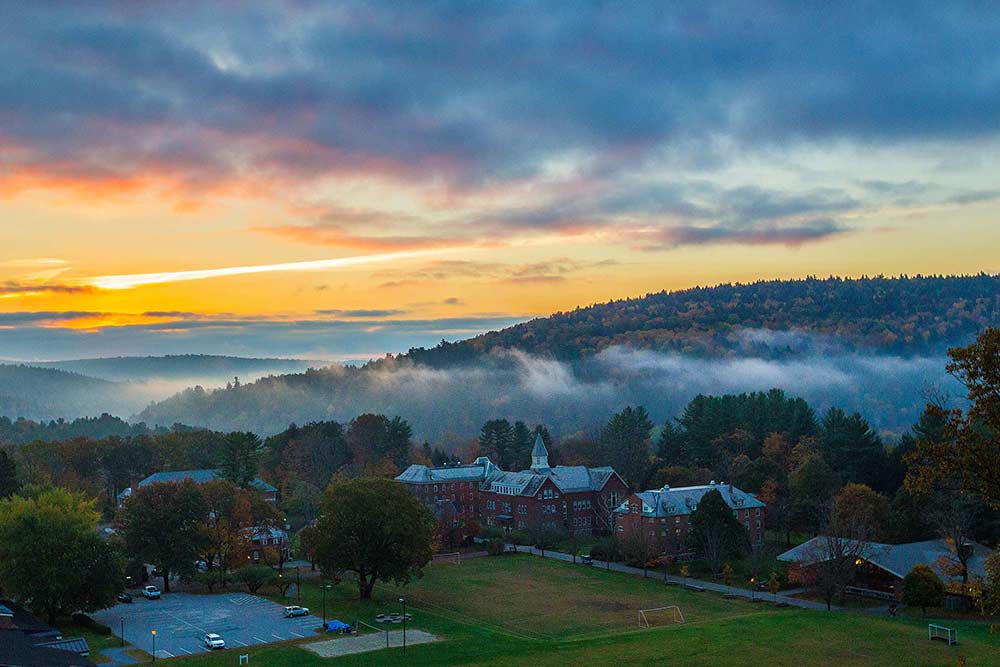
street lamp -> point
(298, 585)
(324, 587)
(123, 631)
(154, 645)
(753, 585)
(403, 602)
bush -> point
(606, 549)
(255, 577)
(89, 623)
(495, 547)
(923, 588)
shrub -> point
(606, 549)
(923, 588)
(89, 623)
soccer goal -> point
(649, 618)
(454, 557)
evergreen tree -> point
(851, 447)
(8, 476)
(240, 457)
(496, 440)
(625, 444)
(522, 440)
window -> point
(736, 515)
(435, 488)
(506, 507)
(522, 509)
(581, 505)
(758, 524)
(757, 512)
(747, 524)
(547, 493)
(491, 504)
(256, 555)
(620, 528)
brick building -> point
(663, 515)
(572, 498)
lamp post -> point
(123, 631)
(154, 645)
(324, 587)
(298, 584)
(753, 585)
(403, 602)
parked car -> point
(214, 641)
(295, 610)
(586, 559)
(124, 597)
(151, 592)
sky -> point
(341, 180)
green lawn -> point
(522, 610)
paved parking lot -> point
(181, 621)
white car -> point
(295, 610)
(151, 593)
(214, 641)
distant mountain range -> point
(876, 345)
(121, 385)
(177, 366)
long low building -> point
(267, 491)
(571, 498)
(883, 566)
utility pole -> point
(403, 601)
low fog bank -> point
(449, 405)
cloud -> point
(20, 289)
(375, 313)
(788, 235)
(129, 281)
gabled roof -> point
(896, 559)
(670, 501)
(198, 477)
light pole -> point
(123, 631)
(324, 587)
(298, 584)
(154, 645)
(753, 584)
(403, 602)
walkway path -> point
(370, 642)
(118, 656)
(684, 581)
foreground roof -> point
(672, 501)
(19, 650)
(896, 559)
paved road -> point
(181, 621)
(707, 585)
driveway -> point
(181, 620)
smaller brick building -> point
(663, 515)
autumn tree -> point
(9, 483)
(375, 528)
(51, 556)
(860, 512)
(967, 448)
(812, 486)
(923, 588)
(162, 524)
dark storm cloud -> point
(488, 91)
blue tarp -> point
(336, 626)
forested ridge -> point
(904, 315)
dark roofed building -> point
(24, 640)
(663, 515)
(574, 498)
(267, 491)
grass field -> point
(522, 610)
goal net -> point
(454, 557)
(649, 618)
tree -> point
(922, 588)
(716, 535)
(51, 556)
(309, 542)
(954, 515)
(522, 440)
(377, 529)
(812, 485)
(240, 457)
(8, 476)
(860, 512)
(255, 577)
(625, 444)
(851, 446)
(496, 440)
(378, 443)
(833, 560)
(967, 447)
(162, 524)
(986, 589)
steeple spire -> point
(539, 455)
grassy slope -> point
(526, 611)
